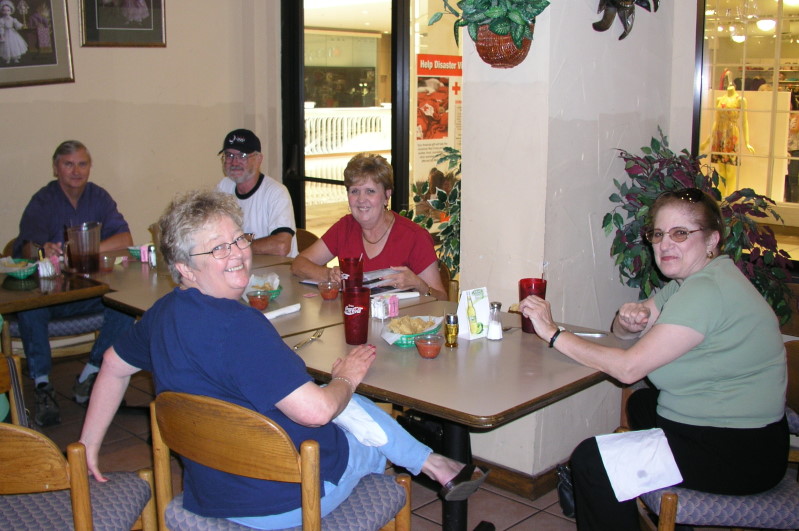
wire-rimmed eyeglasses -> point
(226, 156)
(677, 234)
(223, 249)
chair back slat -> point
(23, 449)
(792, 351)
(226, 437)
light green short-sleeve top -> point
(735, 378)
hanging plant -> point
(751, 245)
(448, 204)
(501, 29)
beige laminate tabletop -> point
(481, 383)
(138, 287)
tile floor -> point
(126, 448)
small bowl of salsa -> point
(329, 289)
(429, 345)
(259, 299)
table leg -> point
(457, 445)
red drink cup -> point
(356, 315)
(351, 272)
(531, 286)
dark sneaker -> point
(81, 391)
(47, 412)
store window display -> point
(725, 136)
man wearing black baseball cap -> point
(268, 212)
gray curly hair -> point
(185, 216)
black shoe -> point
(47, 412)
(81, 391)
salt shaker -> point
(494, 324)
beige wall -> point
(153, 118)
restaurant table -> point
(17, 295)
(137, 294)
(479, 384)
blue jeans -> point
(36, 342)
(402, 449)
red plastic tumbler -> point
(531, 286)
(356, 315)
(351, 272)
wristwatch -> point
(429, 292)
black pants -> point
(718, 460)
(792, 179)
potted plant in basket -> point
(751, 245)
(449, 204)
(501, 29)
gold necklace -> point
(363, 234)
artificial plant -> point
(448, 203)
(751, 244)
(503, 17)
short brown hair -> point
(369, 166)
(704, 209)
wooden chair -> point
(240, 441)
(40, 489)
(11, 383)
(451, 286)
(304, 239)
(777, 508)
(67, 328)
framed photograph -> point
(123, 22)
(35, 45)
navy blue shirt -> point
(49, 212)
(194, 343)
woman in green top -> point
(711, 346)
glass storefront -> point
(750, 95)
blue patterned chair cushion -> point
(793, 420)
(777, 508)
(372, 505)
(66, 326)
(115, 506)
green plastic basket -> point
(23, 272)
(406, 341)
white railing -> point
(332, 135)
(346, 130)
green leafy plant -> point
(449, 203)
(752, 245)
(503, 17)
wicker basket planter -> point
(499, 51)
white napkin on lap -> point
(638, 462)
(282, 311)
(356, 420)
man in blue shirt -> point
(67, 201)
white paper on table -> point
(282, 311)
(391, 337)
(638, 462)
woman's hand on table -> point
(334, 274)
(354, 365)
(539, 312)
(403, 278)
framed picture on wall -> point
(35, 48)
(122, 22)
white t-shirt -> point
(266, 207)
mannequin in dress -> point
(725, 137)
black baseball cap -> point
(242, 140)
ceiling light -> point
(738, 38)
(766, 24)
(791, 2)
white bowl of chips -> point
(402, 331)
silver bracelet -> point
(352, 387)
